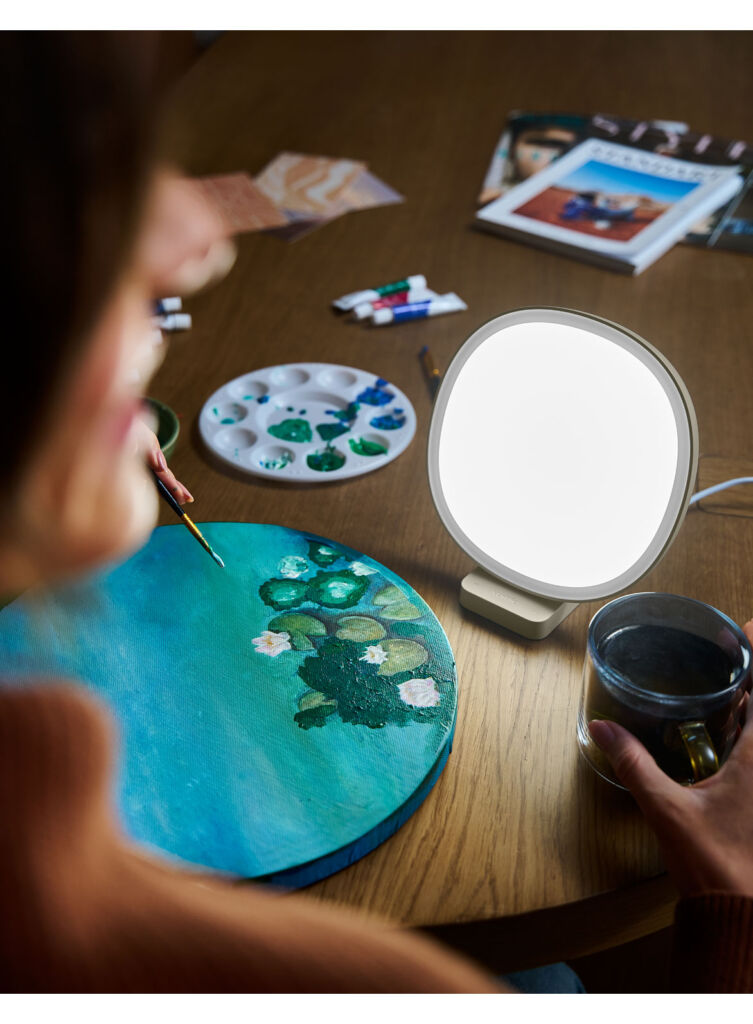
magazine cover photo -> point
(610, 202)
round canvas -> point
(307, 422)
(278, 718)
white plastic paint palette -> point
(308, 422)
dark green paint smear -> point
(326, 461)
(347, 414)
(292, 430)
(329, 431)
(361, 447)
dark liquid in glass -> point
(668, 663)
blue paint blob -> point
(380, 382)
(388, 422)
(375, 396)
(263, 399)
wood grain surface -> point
(517, 826)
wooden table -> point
(520, 854)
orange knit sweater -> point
(85, 911)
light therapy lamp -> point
(562, 453)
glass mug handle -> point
(700, 749)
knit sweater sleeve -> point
(713, 944)
(84, 910)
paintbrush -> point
(432, 374)
(187, 521)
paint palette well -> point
(308, 422)
(277, 719)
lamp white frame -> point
(500, 585)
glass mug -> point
(672, 671)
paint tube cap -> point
(347, 302)
(175, 322)
(172, 304)
(416, 281)
(362, 310)
(382, 316)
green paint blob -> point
(228, 419)
(340, 589)
(292, 430)
(283, 594)
(326, 461)
(322, 554)
(329, 431)
(347, 414)
(362, 447)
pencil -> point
(187, 521)
(433, 376)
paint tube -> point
(449, 303)
(348, 302)
(172, 304)
(173, 322)
(364, 309)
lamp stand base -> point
(526, 614)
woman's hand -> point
(186, 245)
(155, 459)
(705, 830)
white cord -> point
(721, 487)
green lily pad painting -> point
(277, 719)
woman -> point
(94, 235)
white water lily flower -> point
(361, 569)
(374, 655)
(419, 693)
(292, 566)
(272, 643)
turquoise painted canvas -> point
(278, 718)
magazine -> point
(613, 205)
(531, 141)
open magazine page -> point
(610, 199)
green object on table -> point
(168, 426)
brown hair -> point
(75, 110)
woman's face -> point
(87, 496)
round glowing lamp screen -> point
(562, 452)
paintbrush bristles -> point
(202, 540)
